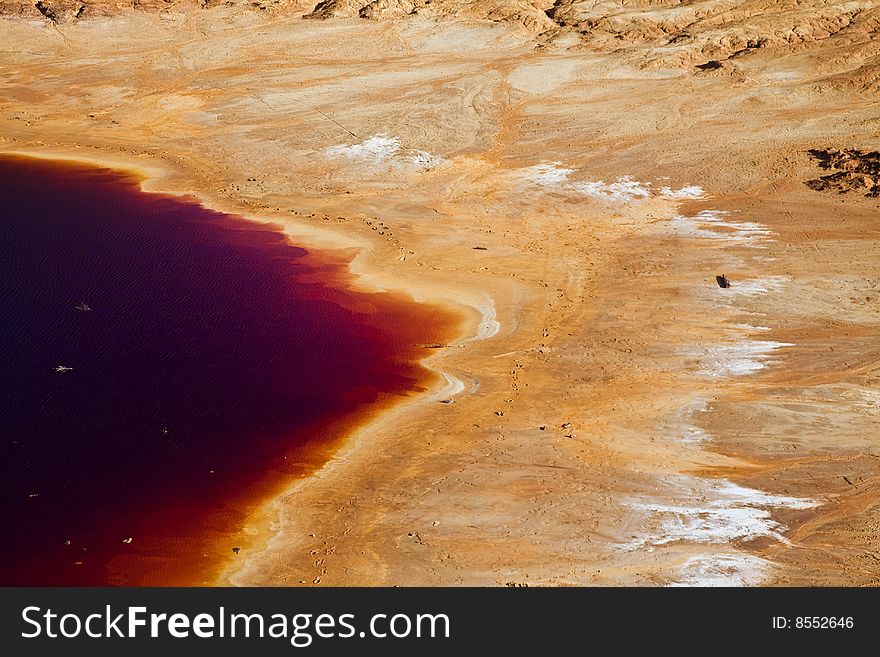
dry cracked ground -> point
(572, 176)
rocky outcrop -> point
(531, 15)
(384, 9)
(60, 11)
(335, 9)
(376, 10)
(708, 37)
(703, 36)
(677, 32)
(853, 170)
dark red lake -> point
(216, 363)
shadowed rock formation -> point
(658, 33)
(854, 170)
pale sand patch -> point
(545, 76)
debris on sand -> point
(722, 280)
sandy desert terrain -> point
(572, 176)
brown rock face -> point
(854, 170)
(659, 33)
(380, 9)
(60, 11)
(335, 9)
(679, 32)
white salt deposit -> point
(681, 429)
(757, 286)
(716, 225)
(384, 152)
(871, 399)
(736, 359)
(725, 569)
(489, 324)
(377, 149)
(547, 175)
(453, 386)
(623, 190)
(686, 192)
(750, 328)
(711, 512)
(703, 510)
(554, 177)
(692, 434)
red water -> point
(216, 363)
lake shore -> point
(188, 311)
